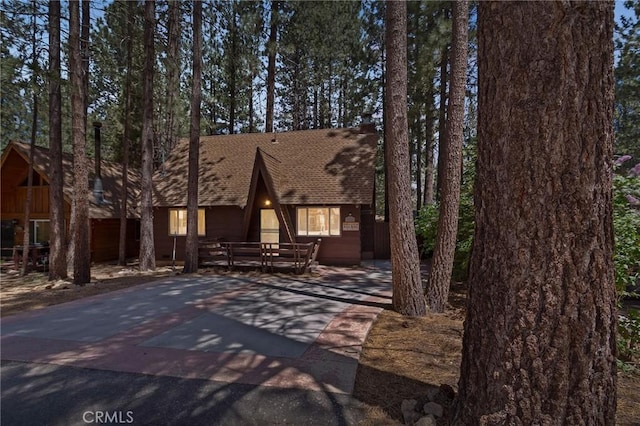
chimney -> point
(367, 125)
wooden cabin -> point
(104, 212)
(292, 187)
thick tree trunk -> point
(122, 248)
(147, 249)
(191, 254)
(539, 340)
(82, 253)
(57, 244)
(445, 247)
(407, 286)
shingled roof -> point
(327, 166)
(111, 181)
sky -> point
(620, 10)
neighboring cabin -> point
(104, 216)
(285, 187)
(275, 187)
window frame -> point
(329, 223)
(180, 234)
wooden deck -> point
(267, 256)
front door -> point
(269, 226)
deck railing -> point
(268, 256)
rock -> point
(433, 408)
(426, 421)
(408, 409)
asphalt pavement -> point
(238, 349)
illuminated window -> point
(178, 222)
(318, 221)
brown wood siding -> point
(223, 223)
(367, 231)
(13, 201)
(103, 244)
(382, 244)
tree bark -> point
(82, 253)
(442, 120)
(84, 54)
(233, 69)
(173, 74)
(271, 65)
(126, 141)
(429, 157)
(191, 255)
(147, 249)
(34, 132)
(407, 287)
(539, 341)
(419, 153)
(445, 246)
(57, 246)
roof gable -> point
(111, 180)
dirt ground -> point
(402, 359)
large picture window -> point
(314, 221)
(178, 222)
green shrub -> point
(427, 227)
(626, 226)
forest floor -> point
(403, 358)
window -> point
(178, 222)
(39, 232)
(318, 221)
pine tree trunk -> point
(57, 244)
(271, 66)
(173, 74)
(442, 120)
(147, 249)
(407, 286)
(233, 77)
(82, 254)
(419, 152)
(191, 254)
(429, 157)
(34, 132)
(122, 248)
(539, 340)
(445, 246)
(84, 54)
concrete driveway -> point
(241, 349)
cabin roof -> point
(327, 166)
(111, 180)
